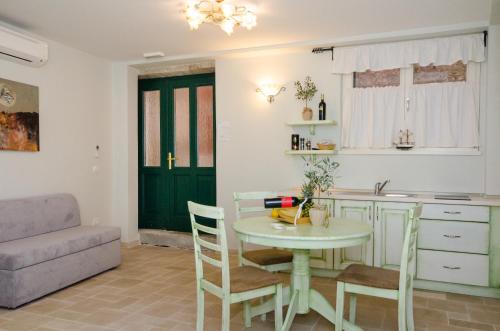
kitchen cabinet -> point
(360, 211)
(323, 258)
(391, 219)
(388, 220)
(458, 245)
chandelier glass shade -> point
(224, 14)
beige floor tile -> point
(447, 305)
(154, 289)
(103, 317)
(472, 325)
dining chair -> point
(270, 259)
(240, 284)
(383, 283)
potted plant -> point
(305, 92)
(320, 175)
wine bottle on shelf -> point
(322, 108)
(281, 202)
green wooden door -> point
(176, 149)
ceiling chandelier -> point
(224, 14)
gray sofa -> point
(44, 247)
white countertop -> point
(425, 197)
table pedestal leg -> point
(301, 279)
(299, 287)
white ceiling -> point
(125, 29)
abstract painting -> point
(19, 123)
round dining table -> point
(300, 296)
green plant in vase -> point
(320, 176)
(305, 92)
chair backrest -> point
(407, 269)
(201, 246)
(248, 196)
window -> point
(437, 104)
(428, 88)
(456, 72)
(379, 78)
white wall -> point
(125, 165)
(75, 97)
(252, 135)
(493, 97)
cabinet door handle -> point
(451, 236)
(369, 213)
(451, 268)
(452, 212)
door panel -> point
(181, 127)
(205, 128)
(361, 211)
(152, 144)
(176, 149)
(390, 226)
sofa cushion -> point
(22, 218)
(26, 252)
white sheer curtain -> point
(446, 114)
(403, 54)
(371, 116)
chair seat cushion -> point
(245, 279)
(26, 252)
(370, 276)
(268, 256)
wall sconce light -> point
(270, 91)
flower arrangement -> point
(306, 91)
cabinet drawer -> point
(461, 268)
(454, 236)
(456, 212)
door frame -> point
(166, 87)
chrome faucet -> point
(380, 186)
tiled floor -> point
(154, 290)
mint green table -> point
(300, 297)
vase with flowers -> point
(320, 175)
(305, 92)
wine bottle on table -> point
(322, 108)
(281, 202)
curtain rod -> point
(319, 50)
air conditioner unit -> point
(21, 48)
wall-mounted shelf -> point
(312, 124)
(311, 152)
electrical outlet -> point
(96, 221)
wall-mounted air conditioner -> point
(21, 48)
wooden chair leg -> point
(278, 307)
(340, 306)
(352, 307)
(402, 313)
(409, 310)
(200, 309)
(226, 312)
(247, 314)
(263, 316)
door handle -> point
(170, 159)
(451, 236)
(452, 212)
(451, 268)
